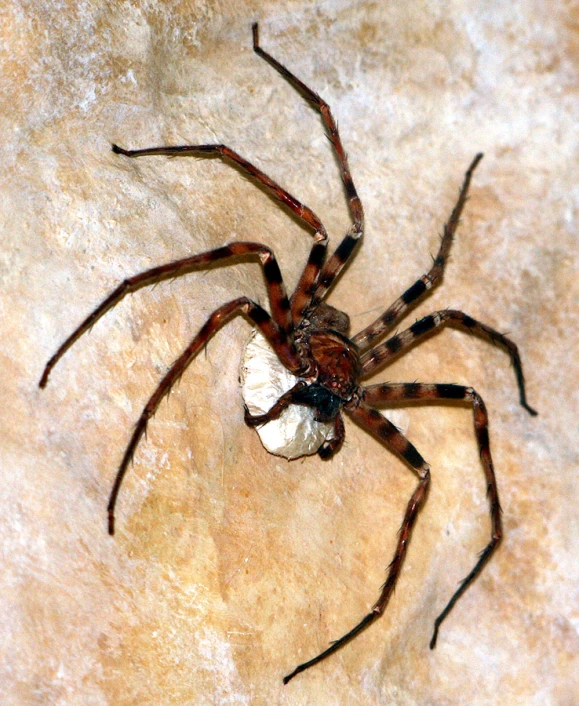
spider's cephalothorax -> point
(311, 341)
(334, 359)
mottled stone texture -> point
(231, 565)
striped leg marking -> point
(336, 263)
(302, 297)
(392, 392)
(431, 279)
(306, 287)
(382, 354)
(280, 306)
(258, 316)
(371, 420)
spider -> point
(311, 340)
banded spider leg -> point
(313, 286)
(382, 394)
(277, 328)
(371, 420)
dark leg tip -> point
(118, 150)
(474, 164)
(434, 637)
(255, 31)
(326, 451)
(47, 370)
(111, 523)
(330, 448)
(253, 421)
(530, 410)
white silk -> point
(263, 381)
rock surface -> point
(231, 565)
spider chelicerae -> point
(311, 340)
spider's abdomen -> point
(337, 362)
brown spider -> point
(311, 340)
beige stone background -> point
(230, 565)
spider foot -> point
(432, 644)
(255, 420)
(119, 150)
(329, 448)
(530, 410)
(332, 445)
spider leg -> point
(222, 151)
(331, 446)
(303, 297)
(274, 412)
(318, 250)
(280, 306)
(371, 420)
(258, 316)
(391, 392)
(382, 354)
(431, 279)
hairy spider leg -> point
(259, 317)
(431, 279)
(409, 392)
(303, 212)
(318, 250)
(382, 354)
(274, 412)
(280, 307)
(313, 286)
(371, 420)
